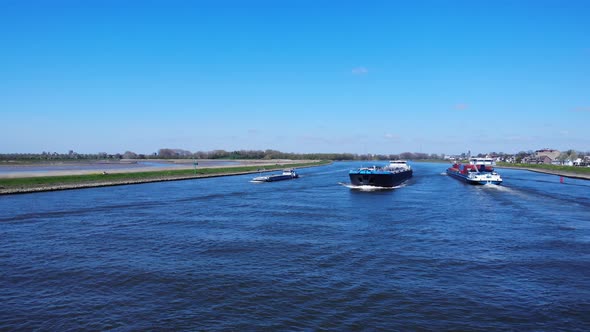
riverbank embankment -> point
(80, 179)
(564, 173)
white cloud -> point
(360, 71)
(581, 109)
(392, 137)
(461, 107)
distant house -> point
(545, 156)
(545, 160)
(509, 159)
(537, 160)
(582, 161)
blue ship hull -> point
(287, 175)
(377, 178)
(279, 178)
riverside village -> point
(544, 156)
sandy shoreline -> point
(268, 165)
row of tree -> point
(274, 154)
(216, 154)
(257, 154)
(518, 157)
(70, 156)
(571, 155)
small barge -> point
(287, 174)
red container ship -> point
(479, 171)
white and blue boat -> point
(287, 174)
(479, 171)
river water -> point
(307, 254)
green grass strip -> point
(29, 182)
(570, 169)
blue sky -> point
(295, 76)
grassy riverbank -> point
(567, 171)
(48, 183)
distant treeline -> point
(273, 154)
(215, 154)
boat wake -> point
(496, 187)
(367, 188)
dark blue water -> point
(306, 254)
